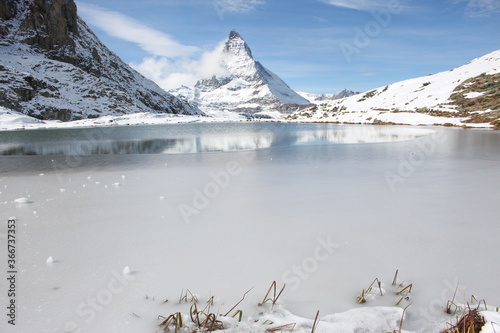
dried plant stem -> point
(315, 323)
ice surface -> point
(325, 218)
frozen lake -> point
(221, 208)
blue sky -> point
(318, 46)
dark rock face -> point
(6, 10)
(54, 67)
(54, 23)
(48, 25)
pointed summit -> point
(236, 45)
(234, 34)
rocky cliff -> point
(52, 66)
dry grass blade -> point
(174, 319)
(275, 297)
(211, 323)
(361, 298)
(184, 296)
(402, 319)
(315, 323)
(195, 314)
(394, 281)
(484, 302)
(379, 284)
(282, 328)
(451, 302)
(406, 290)
(407, 298)
(470, 322)
(238, 313)
(449, 305)
(205, 320)
(241, 300)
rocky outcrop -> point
(52, 66)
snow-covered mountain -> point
(320, 98)
(465, 96)
(52, 66)
(244, 86)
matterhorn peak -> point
(234, 34)
(245, 87)
(236, 45)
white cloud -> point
(236, 6)
(480, 8)
(121, 26)
(170, 74)
(358, 4)
(170, 64)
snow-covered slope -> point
(245, 85)
(467, 95)
(52, 66)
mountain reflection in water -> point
(128, 140)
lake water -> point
(221, 208)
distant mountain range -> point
(465, 96)
(52, 66)
(321, 98)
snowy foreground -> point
(107, 243)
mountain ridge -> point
(468, 95)
(53, 66)
(326, 97)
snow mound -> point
(23, 200)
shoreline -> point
(21, 122)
